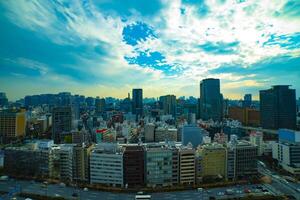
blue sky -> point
(108, 47)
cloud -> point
(161, 45)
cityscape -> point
(166, 100)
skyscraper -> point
(168, 103)
(278, 107)
(137, 102)
(210, 99)
(61, 121)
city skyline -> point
(106, 48)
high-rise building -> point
(12, 124)
(137, 102)
(247, 101)
(168, 104)
(133, 160)
(278, 107)
(61, 122)
(211, 100)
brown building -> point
(133, 164)
(247, 116)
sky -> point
(107, 47)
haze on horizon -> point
(106, 48)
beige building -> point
(186, 165)
(12, 123)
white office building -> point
(106, 165)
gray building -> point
(61, 122)
(278, 107)
(241, 160)
(168, 104)
(158, 166)
(210, 100)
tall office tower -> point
(278, 107)
(3, 99)
(168, 103)
(100, 105)
(137, 102)
(210, 100)
(61, 122)
(12, 124)
(133, 162)
(247, 100)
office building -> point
(247, 101)
(81, 169)
(134, 170)
(3, 99)
(137, 102)
(165, 134)
(175, 163)
(100, 105)
(286, 151)
(106, 165)
(158, 166)
(247, 116)
(61, 122)
(192, 134)
(12, 124)
(278, 107)
(186, 165)
(211, 100)
(26, 161)
(149, 132)
(168, 104)
(213, 160)
(256, 138)
(244, 155)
